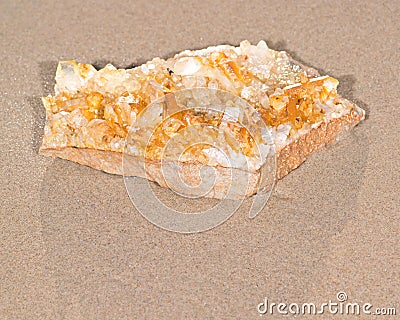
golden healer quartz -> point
(95, 108)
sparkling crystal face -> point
(95, 109)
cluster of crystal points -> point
(95, 109)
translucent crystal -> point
(187, 66)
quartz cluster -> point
(95, 108)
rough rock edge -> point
(287, 159)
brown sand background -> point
(72, 245)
